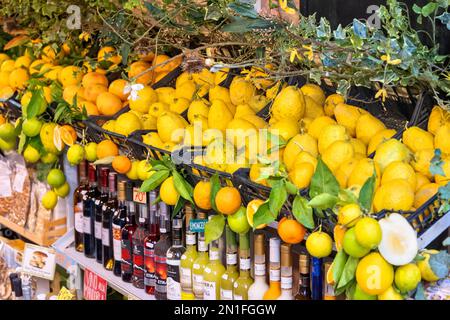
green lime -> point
(238, 221)
(56, 178)
(90, 151)
(368, 232)
(7, 131)
(407, 277)
(31, 127)
(351, 245)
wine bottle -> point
(259, 286)
(99, 202)
(286, 273)
(108, 210)
(316, 278)
(173, 257)
(118, 222)
(78, 209)
(89, 213)
(304, 286)
(161, 248)
(138, 245)
(127, 235)
(149, 246)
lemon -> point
(241, 91)
(152, 139)
(56, 178)
(305, 157)
(31, 154)
(63, 191)
(316, 126)
(424, 266)
(168, 193)
(198, 107)
(144, 170)
(331, 102)
(331, 133)
(407, 277)
(441, 139)
(349, 214)
(352, 247)
(157, 108)
(359, 294)
(166, 95)
(109, 125)
(314, 92)
(344, 171)
(399, 170)
(367, 127)
(49, 158)
(302, 174)
(285, 128)
(312, 109)
(127, 123)
(75, 154)
(374, 275)
(337, 153)
(238, 221)
(396, 194)
(417, 139)
(364, 169)
(319, 244)
(347, 116)
(132, 174)
(368, 232)
(170, 126)
(378, 139)
(90, 151)
(300, 142)
(49, 200)
(258, 102)
(179, 105)
(7, 131)
(421, 161)
(145, 97)
(390, 294)
(47, 137)
(219, 93)
(186, 90)
(219, 115)
(7, 145)
(289, 104)
(31, 127)
(390, 151)
(438, 118)
(243, 110)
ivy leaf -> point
(323, 201)
(420, 292)
(444, 192)
(436, 163)
(360, 29)
(154, 181)
(277, 197)
(367, 192)
(323, 181)
(439, 264)
(243, 9)
(348, 273)
(214, 228)
(183, 187)
(303, 212)
(215, 187)
(263, 215)
(339, 33)
(324, 29)
(338, 265)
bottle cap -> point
(259, 244)
(112, 179)
(92, 172)
(286, 257)
(82, 170)
(274, 244)
(121, 186)
(104, 177)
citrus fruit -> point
(68, 135)
(47, 135)
(170, 127)
(121, 164)
(252, 207)
(363, 170)
(396, 194)
(127, 123)
(107, 148)
(407, 277)
(228, 200)
(368, 232)
(437, 119)
(314, 92)
(7, 145)
(31, 127)
(168, 193)
(319, 244)
(347, 115)
(288, 104)
(299, 143)
(31, 154)
(338, 236)
(399, 170)
(337, 153)
(374, 275)
(390, 151)
(359, 294)
(132, 174)
(351, 245)
(290, 231)
(144, 170)
(108, 104)
(49, 200)
(367, 127)
(117, 88)
(70, 75)
(109, 54)
(301, 174)
(316, 126)
(378, 139)
(75, 154)
(417, 139)
(49, 158)
(329, 134)
(426, 271)
(390, 294)
(63, 191)
(56, 178)
(7, 131)
(425, 193)
(90, 151)
(139, 68)
(92, 78)
(92, 92)
(145, 97)
(238, 221)
(349, 214)
(441, 140)
(285, 128)
(202, 195)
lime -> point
(75, 154)
(63, 191)
(7, 131)
(49, 158)
(31, 127)
(351, 245)
(31, 154)
(7, 145)
(368, 232)
(238, 221)
(56, 178)
(319, 244)
(49, 200)
(359, 294)
(407, 277)
(90, 151)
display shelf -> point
(434, 231)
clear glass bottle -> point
(173, 256)
(108, 210)
(259, 286)
(149, 246)
(328, 289)
(244, 281)
(199, 263)
(274, 274)
(304, 286)
(78, 195)
(231, 273)
(161, 248)
(118, 222)
(89, 213)
(286, 273)
(212, 273)
(99, 202)
(127, 236)
(188, 257)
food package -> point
(43, 215)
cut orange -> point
(57, 141)
(330, 279)
(252, 207)
(68, 135)
(338, 235)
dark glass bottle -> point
(108, 211)
(118, 222)
(99, 202)
(78, 194)
(127, 236)
(161, 248)
(304, 286)
(316, 278)
(138, 246)
(149, 246)
(89, 213)
(173, 258)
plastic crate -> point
(140, 150)
(13, 108)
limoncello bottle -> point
(231, 274)
(243, 283)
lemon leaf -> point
(184, 189)
(346, 197)
(323, 201)
(215, 187)
(263, 215)
(291, 188)
(180, 204)
(323, 181)
(338, 266)
(277, 197)
(303, 212)
(214, 228)
(367, 192)
(154, 181)
(36, 101)
(348, 273)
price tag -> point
(39, 261)
(197, 225)
(139, 196)
(94, 286)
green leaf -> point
(346, 197)
(291, 188)
(243, 9)
(417, 9)
(277, 197)
(303, 212)
(439, 264)
(183, 187)
(429, 8)
(37, 100)
(323, 181)
(350, 290)
(22, 142)
(348, 274)
(436, 163)
(263, 215)
(420, 292)
(125, 52)
(338, 265)
(367, 192)
(323, 201)
(215, 187)
(180, 204)
(214, 228)
(154, 181)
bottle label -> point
(209, 290)
(237, 297)
(105, 237)
(78, 215)
(86, 225)
(329, 292)
(116, 230)
(138, 262)
(286, 282)
(197, 284)
(98, 230)
(161, 273)
(202, 246)
(173, 280)
(190, 239)
(260, 269)
(213, 255)
(226, 294)
(274, 275)
(149, 261)
(127, 257)
(231, 258)
(244, 264)
(186, 279)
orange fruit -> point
(107, 148)
(252, 207)
(68, 134)
(93, 91)
(290, 231)
(91, 108)
(81, 93)
(202, 195)
(70, 75)
(36, 66)
(109, 54)
(139, 67)
(338, 235)
(228, 200)
(18, 78)
(116, 87)
(108, 103)
(91, 78)
(69, 93)
(121, 164)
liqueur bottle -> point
(328, 290)
(78, 206)
(274, 273)
(108, 211)
(316, 278)
(199, 263)
(161, 248)
(89, 213)
(286, 273)
(120, 219)
(139, 236)
(149, 246)
(188, 258)
(260, 286)
(127, 236)
(212, 273)
(231, 273)
(304, 286)
(243, 283)
(99, 202)
(173, 257)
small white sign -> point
(39, 261)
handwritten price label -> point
(94, 286)
(139, 197)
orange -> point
(81, 93)
(121, 164)
(18, 78)
(107, 148)
(2, 119)
(91, 78)
(70, 92)
(166, 67)
(116, 87)
(48, 54)
(70, 75)
(93, 91)
(68, 134)
(290, 231)
(202, 195)
(23, 62)
(91, 108)
(338, 235)
(252, 207)
(228, 200)
(109, 54)
(139, 67)
(108, 104)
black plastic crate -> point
(140, 150)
